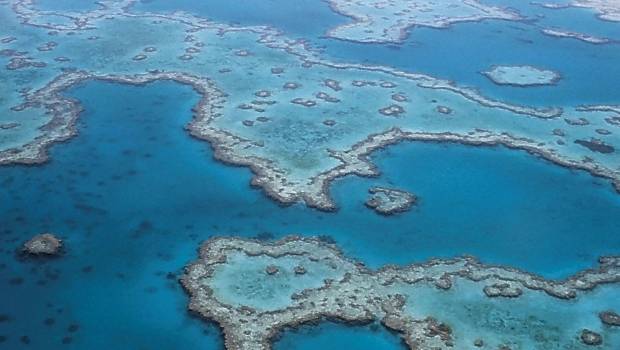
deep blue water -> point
(336, 336)
(503, 206)
(133, 195)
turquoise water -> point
(242, 280)
(299, 18)
(443, 52)
(575, 19)
(133, 195)
(532, 321)
(503, 206)
(67, 5)
(336, 336)
(108, 194)
(433, 52)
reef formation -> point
(560, 33)
(388, 201)
(281, 122)
(254, 290)
(381, 21)
(42, 245)
(522, 75)
(606, 10)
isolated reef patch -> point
(45, 244)
(521, 75)
(388, 201)
(560, 33)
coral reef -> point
(388, 201)
(521, 76)
(43, 244)
(254, 290)
(388, 21)
(300, 154)
(559, 33)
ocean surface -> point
(443, 53)
(133, 195)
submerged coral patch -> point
(522, 75)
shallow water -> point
(432, 51)
(443, 53)
(107, 193)
(242, 280)
(532, 321)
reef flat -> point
(254, 290)
(381, 21)
(559, 33)
(269, 103)
(608, 10)
(522, 75)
